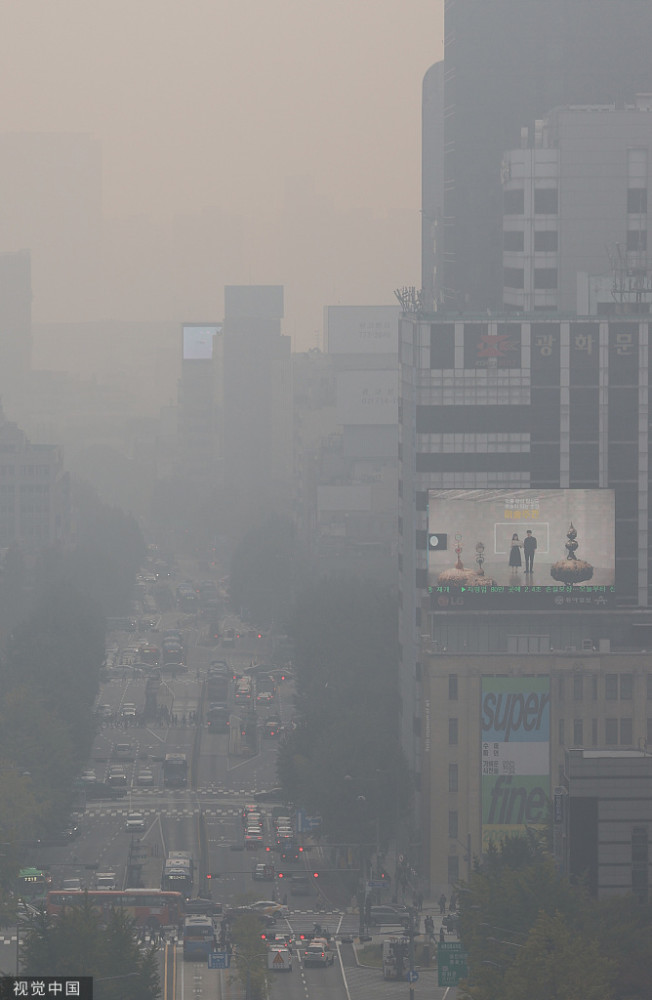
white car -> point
(135, 822)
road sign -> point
(376, 883)
(412, 976)
(218, 960)
(451, 963)
(306, 823)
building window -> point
(611, 732)
(453, 869)
(452, 687)
(453, 778)
(514, 239)
(637, 201)
(561, 732)
(578, 687)
(594, 732)
(611, 687)
(545, 201)
(626, 687)
(452, 732)
(513, 277)
(578, 733)
(545, 240)
(452, 823)
(637, 239)
(560, 686)
(626, 732)
(545, 277)
(514, 202)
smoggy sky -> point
(297, 120)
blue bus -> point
(199, 938)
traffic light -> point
(264, 936)
(281, 874)
(315, 874)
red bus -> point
(148, 907)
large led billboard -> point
(515, 755)
(521, 548)
(198, 341)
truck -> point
(279, 959)
(175, 770)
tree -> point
(529, 932)
(250, 957)
(346, 660)
(267, 570)
(77, 944)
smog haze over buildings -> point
(175, 149)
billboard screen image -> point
(515, 755)
(521, 548)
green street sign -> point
(451, 963)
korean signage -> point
(515, 755)
(361, 329)
(452, 963)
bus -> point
(175, 770)
(198, 937)
(33, 884)
(217, 718)
(178, 873)
(151, 908)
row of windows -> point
(546, 201)
(29, 471)
(545, 240)
(617, 687)
(544, 277)
(617, 732)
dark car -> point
(379, 915)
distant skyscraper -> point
(51, 204)
(506, 64)
(15, 321)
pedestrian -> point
(442, 903)
(442, 935)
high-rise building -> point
(575, 209)
(257, 399)
(510, 424)
(15, 322)
(506, 64)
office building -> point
(506, 64)
(575, 209)
(509, 424)
(15, 322)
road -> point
(204, 818)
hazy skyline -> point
(292, 128)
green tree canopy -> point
(344, 760)
(529, 932)
(77, 944)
